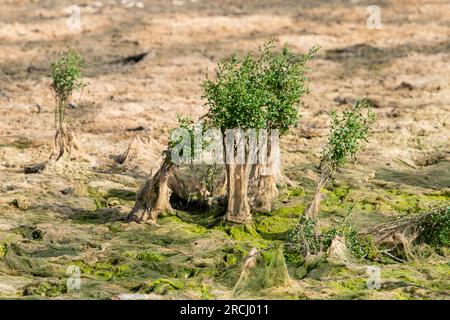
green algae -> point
(352, 288)
(146, 254)
(30, 232)
(296, 192)
(47, 288)
(105, 270)
(431, 177)
(121, 194)
(97, 197)
(3, 250)
(112, 197)
(161, 286)
(150, 256)
(385, 201)
(245, 234)
(290, 211)
(273, 227)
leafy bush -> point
(257, 92)
(435, 230)
(182, 139)
(347, 133)
(51, 288)
(352, 241)
(66, 77)
(303, 238)
(66, 74)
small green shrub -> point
(66, 76)
(303, 238)
(352, 241)
(435, 230)
(258, 91)
(347, 133)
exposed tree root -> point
(266, 195)
(66, 143)
(154, 197)
(66, 147)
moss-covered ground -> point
(50, 228)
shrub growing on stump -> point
(348, 132)
(250, 94)
(154, 196)
(251, 100)
(66, 76)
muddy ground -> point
(74, 214)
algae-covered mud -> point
(383, 226)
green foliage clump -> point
(66, 75)
(183, 123)
(105, 270)
(347, 133)
(435, 230)
(256, 92)
(182, 139)
(303, 238)
(51, 288)
(149, 256)
(350, 235)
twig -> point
(386, 252)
